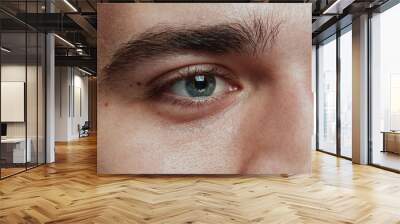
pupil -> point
(200, 86)
(200, 83)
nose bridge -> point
(269, 124)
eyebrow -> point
(246, 37)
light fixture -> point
(65, 41)
(79, 50)
(337, 7)
(70, 5)
(84, 71)
(5, 50)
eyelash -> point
(161, 85)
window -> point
(346, 92)
(385, 89)
(327, 95)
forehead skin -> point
(118, 23)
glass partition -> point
(14, 153)
(22, 88)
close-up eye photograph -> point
(220, 89)
(175, 111)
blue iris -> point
(200, 85)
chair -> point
(84, 130)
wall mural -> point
(204, 88)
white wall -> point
(80, 110)
(71, 94)
(62, 81)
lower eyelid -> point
(189, 101)
(180, 110)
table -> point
(391, 141)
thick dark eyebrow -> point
(246, 37)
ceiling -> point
(75, 21)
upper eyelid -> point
(216, 69)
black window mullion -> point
(369, 90)
(338, 91)
(317, 97)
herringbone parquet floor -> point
(69, 191)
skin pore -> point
(221, 88)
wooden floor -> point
(387, 159)
(5, 172)
(69, 191)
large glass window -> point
(334, 60)
(346, 92)
(385, 88)
(327, 95)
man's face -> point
(204, 88)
